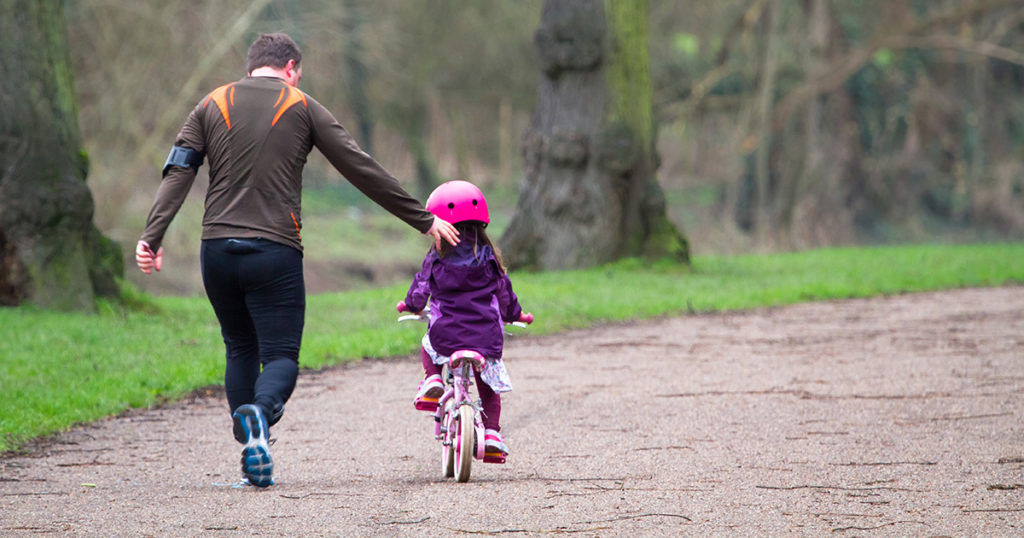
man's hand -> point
(146, 259)
(442, 229)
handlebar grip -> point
(526, 318)
(401, 307)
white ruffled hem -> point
(494, 374)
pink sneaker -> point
(431, 389)
(495, 450)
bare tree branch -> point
(698, 91)
(846, 67)
(983, 48)
(172, 113)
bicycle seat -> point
(474, 358)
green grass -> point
(59, 369)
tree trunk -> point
(815, 152)
(356, 73)
(590, 194)
(51, 254)
(504, 141)
(763, 220)
(975, 123)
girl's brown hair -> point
(474, 229)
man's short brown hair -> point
(273, 50)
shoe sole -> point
(257, 465)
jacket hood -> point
(462, 270)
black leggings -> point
(259, 295)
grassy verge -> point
(60, 369)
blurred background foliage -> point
(783, 124)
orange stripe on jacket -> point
(294, 96)
(298, 231)
(220, 97)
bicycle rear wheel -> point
(448, 441)
(465, 443)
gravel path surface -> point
(898, 415)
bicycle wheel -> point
(448, 441)
(465, 443)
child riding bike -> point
(470, 297)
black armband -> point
(183, 157)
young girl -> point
(470, 298)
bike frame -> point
(461, 366)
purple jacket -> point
(469, 299)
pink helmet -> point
(458, 201)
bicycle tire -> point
(465, 443)
(448, 441)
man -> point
(256, 133)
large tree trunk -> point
(590, 194)
(51, 254)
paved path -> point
(897, 415)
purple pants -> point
(491, 400)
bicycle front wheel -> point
(465, 443)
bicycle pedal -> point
(494, 457)
(426, 404)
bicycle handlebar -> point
(525, 318)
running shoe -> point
(430, 390)
(250, 428)
(495, 450)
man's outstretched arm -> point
(367, 175)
